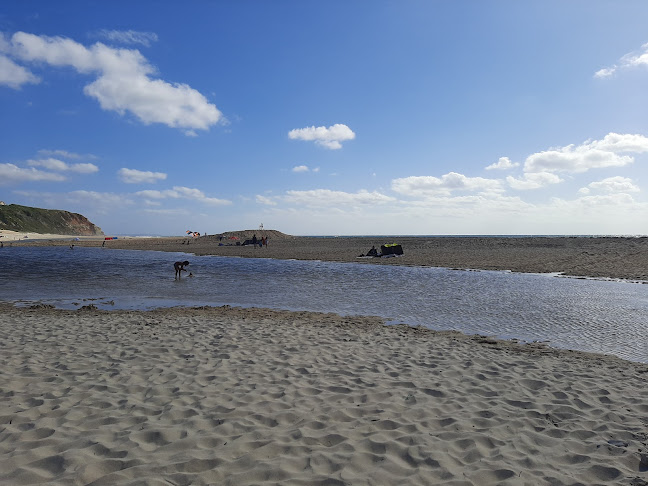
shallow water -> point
(589, 315)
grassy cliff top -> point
(15, 217)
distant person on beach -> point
(180, 267)
(254, 240)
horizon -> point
(414, 118)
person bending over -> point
(180, 267)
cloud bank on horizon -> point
(129, 133)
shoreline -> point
(239, 396)
(596, 257)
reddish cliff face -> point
(80, 225)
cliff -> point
(36, 220)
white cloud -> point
(326, 198)
(129, 37)
(80, 201)
(620, 143)
(154, 194)
(329, 138)
(51, 164)
(168, 212)
(589, 155)
(83, 168)
(134, 176)
(65, 154)
(605, 203)
(13, 75)
(533, 180)
(59, 165)
(265, 200)
(611, 185)
(628, 61)
(180, 192)
(300, 168)
(605, 72)
(100, 198)
(10, 173)
(504, 163)
(123, 83)
(445, 185)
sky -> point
(328, 118)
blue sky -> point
(328, 118)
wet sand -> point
(612, 257)
(251, 396)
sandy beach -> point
(250, 396)
(231, 396)
(604, 257)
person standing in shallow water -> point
(179, 268)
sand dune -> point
(240, 397)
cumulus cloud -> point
(124, 81)
(592, 154)
(300, 168)
(329, 138)
(13, 75)
(615, 142)
(134, 176)
(10, 173)
(445, 185)
(628, 61)
(129, 37)
(533, 180)
(59, 165)
(180, 192)
(611, 185)
(504, 163)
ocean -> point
(582, 314)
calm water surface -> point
(590, 315)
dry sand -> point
(612, 257)
(239, 397)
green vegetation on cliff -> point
(36, 220)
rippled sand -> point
(239, 397)
(577, 256)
